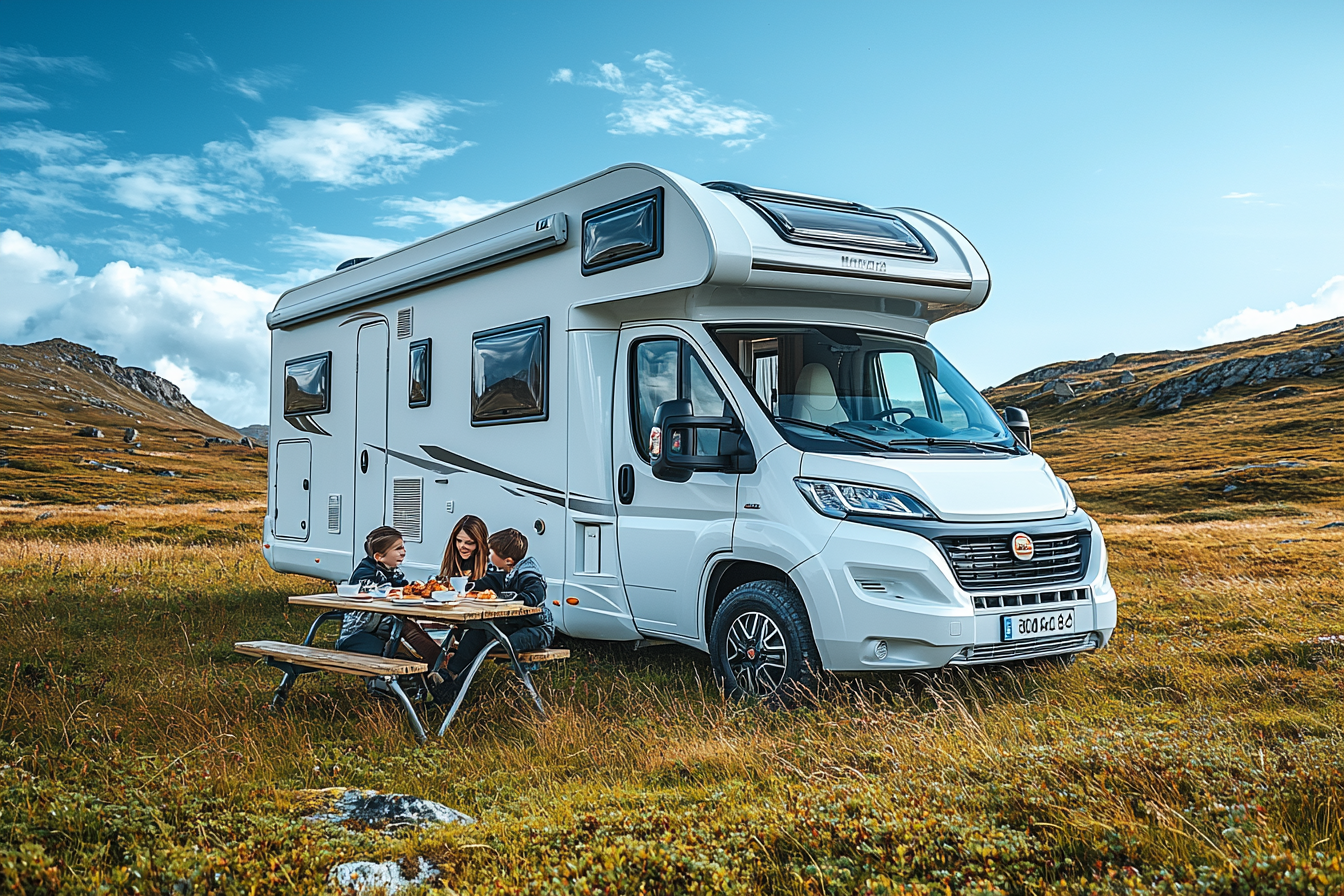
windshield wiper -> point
(852, 436)
(961, 443)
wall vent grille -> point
(334, 514)
(404, 328)
(407, 497)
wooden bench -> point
(330, 660)
(532, 656)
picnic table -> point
(299, 659)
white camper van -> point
(714, 411)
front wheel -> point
(761, 643)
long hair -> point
(380, 540)
(452, 564)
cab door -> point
(666, 532)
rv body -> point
(519, 367)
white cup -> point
(347, 590)
(459, 583)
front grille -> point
(984, 562)
(1003, 653)
(997, 601)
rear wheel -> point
(761, 643)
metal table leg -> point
(518, 668)
(466, 683)
(406, 705)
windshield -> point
(840, 390)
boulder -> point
(1062, 389)
(92, 432)
(130, 434)
(1126, 378)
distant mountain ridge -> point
(1169, 380)
(77, 427)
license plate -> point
(1029, 626)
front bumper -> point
(884, 598)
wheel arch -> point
(727, 575)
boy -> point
(513, 571)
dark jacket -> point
(528, 583)
(370, 570)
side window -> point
(664, 369)
(509, 373)
(418, 394)
(308, 385)
(900, 380)
(653, 381)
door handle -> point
(625, 484)
(364, 461)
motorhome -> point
(716, 413)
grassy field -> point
(1202, 751)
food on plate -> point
(487, 594)
(425, 589)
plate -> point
(406, 601)
(1030, 626)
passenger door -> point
(370, 433)
(666, 532)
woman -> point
(466, 553)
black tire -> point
(761, 644)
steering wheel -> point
(882, 415)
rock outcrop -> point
(146, 382)
(1254, 371)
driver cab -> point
(814, 378)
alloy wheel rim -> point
(757, 654)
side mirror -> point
(673, 434)
(1019, 425)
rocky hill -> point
(77, 427)
(1217, 430)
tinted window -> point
(419, 374)
(664, 369)
(308, 385)
(623, 233)
(508, 373)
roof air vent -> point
(351, 262)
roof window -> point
(831, 223)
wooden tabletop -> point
(427, 610)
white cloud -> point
(161, 183)
(14, 98)
(249, 84)
(313, 247)
(446, 212)
(209, 331)
(255, 81)
(564, 76)
(1240, 195)
(1327, 302)
(45, 144)
(658, 100)
(374, 144)
(14, 59)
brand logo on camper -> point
(863, 264)
(1023, 549)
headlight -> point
(840, 499)
(1070, 503)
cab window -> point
(665, 369)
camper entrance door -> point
(370, 433)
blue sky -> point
(1137, 177)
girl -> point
(465, 553)
(363, 632)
